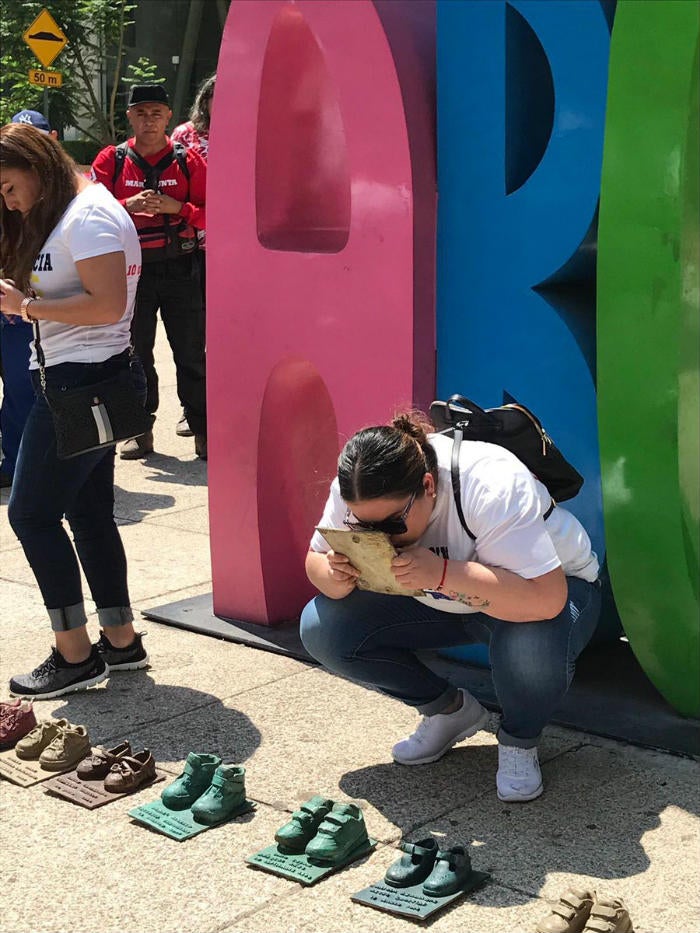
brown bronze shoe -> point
(97, 765)
(569, 914)
(129, 772)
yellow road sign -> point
(45, 78)
(45, 38)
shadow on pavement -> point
(176, 720)
(590, 821)
(166, 469)
(133, 506)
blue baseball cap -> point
(33, 118)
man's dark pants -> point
(173, 286)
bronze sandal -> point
(96, 766)
(130, 772)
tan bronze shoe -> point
(569, 914)
(609, 915)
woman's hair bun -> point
(414, 423)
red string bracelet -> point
(444, 574)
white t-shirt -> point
(93, 224)
(503, 506)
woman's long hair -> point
(199, 115)
(21, 237)
(388, 460)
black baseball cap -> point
(148, 94)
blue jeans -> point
(18, 393)
(46, 489)
(373, 638)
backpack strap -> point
(180, 153)
(456, 482)
(120, 153)
(457, 485)
(119, 157)
(151, 173)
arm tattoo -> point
(476, 602)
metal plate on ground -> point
(179, 824)
(196, 614)
(412, 902)
(24, 773)
(298, 867)
(90, 794)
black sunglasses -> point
(390, 526)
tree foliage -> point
(95, 52)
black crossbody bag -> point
(93, 416)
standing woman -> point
(194, 134)
(70, 260)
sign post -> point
(47, 40)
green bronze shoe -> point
(194, 780)
(413, 867)
(452, 870)
(300, 830)
(223, 797)
(342, 831)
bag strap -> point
(457, 485)
(40, 358)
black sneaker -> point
(55, 676)
(131, 658)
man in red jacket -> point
(163, 187)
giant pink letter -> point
(320, 264)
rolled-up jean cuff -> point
(68, 618)
(448, 696)
(505, 739)
(115, 615)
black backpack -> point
(517, 429)
(180, 242)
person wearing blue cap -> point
(35, 119)
(15, 337)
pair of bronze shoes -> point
(440, 871)
(120, 769)
(582, 911)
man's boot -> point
(137, 447)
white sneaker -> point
(518, 777)
(437, 734)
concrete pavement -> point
(621, 819)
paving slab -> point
(195, 519)
(604, 821)
(182, 683)
(327, 907)
(157, 884)
(323, 734)
(144, 488)
(622, 819)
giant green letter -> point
(649, 339)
